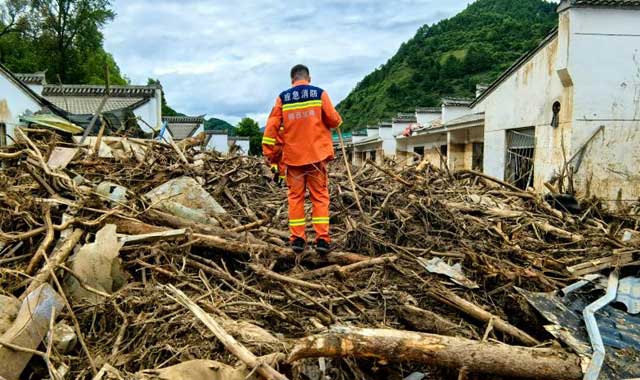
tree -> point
(248, 127)
(12, 15)
(166, 109)
(69, 25)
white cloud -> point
(232, 58)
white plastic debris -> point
(437, 265)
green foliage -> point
(218, 124)
(61, 37)
(250, 128)
(449, 58)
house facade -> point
(572, 103)
(144, 101)
(16, 99)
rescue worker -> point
(298, 137)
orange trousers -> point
(299, 179)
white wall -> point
(37, 88)
(149, 113)
(244, 145)
(425, 118)
(604, 64)
(525, 100)
(373, 132)
(14, 102)
(453, 112)
(219, 143)
(388, 141)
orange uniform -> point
(298, 135)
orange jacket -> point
(306, 115)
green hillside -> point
(449, 58)
(218, 124)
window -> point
(3, 134)
(519, 169)
(555, 120)
(419, 150)
(372, 155)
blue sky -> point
(229, 59)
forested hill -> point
(449, 58)
(62, 37)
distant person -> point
(298, 137)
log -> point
(388, 345)
(430, 322)
(478, 313)
(58, 257)
(237, 349)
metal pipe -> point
(577, 285)
(593, 370)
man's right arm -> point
(271, 148)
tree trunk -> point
(387, 345)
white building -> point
(144, 101)
(16, 99)
(575, 96)
(182, 127)
(218, 141)
(243, 144)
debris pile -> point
(129, 258)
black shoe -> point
(298, 245)
(322, 247)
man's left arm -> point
(330, 116)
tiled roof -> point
(606, 3)
(183, 119)
(360, 132)
(182, 130)
(216, 131)
(89, 105)
(466, 119)
(33, 78)
(428, 109)
(240, 138)
(368, 140)
(405, 119)
(457, 101)
(81, 90)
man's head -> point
(300, 72)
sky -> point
(230, 59)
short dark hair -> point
(299, 70)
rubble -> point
(181, 259)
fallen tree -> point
(387, 346)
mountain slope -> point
(449, 58)
(218, 124)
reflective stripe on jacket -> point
(306, 115)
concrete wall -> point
(604, 64)
(525, 100)
(373, 132)
(430, 142)
(460, 147)
(14, 101)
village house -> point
(17, 99)
(182, 127)
(145, 102)
(573, 102)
